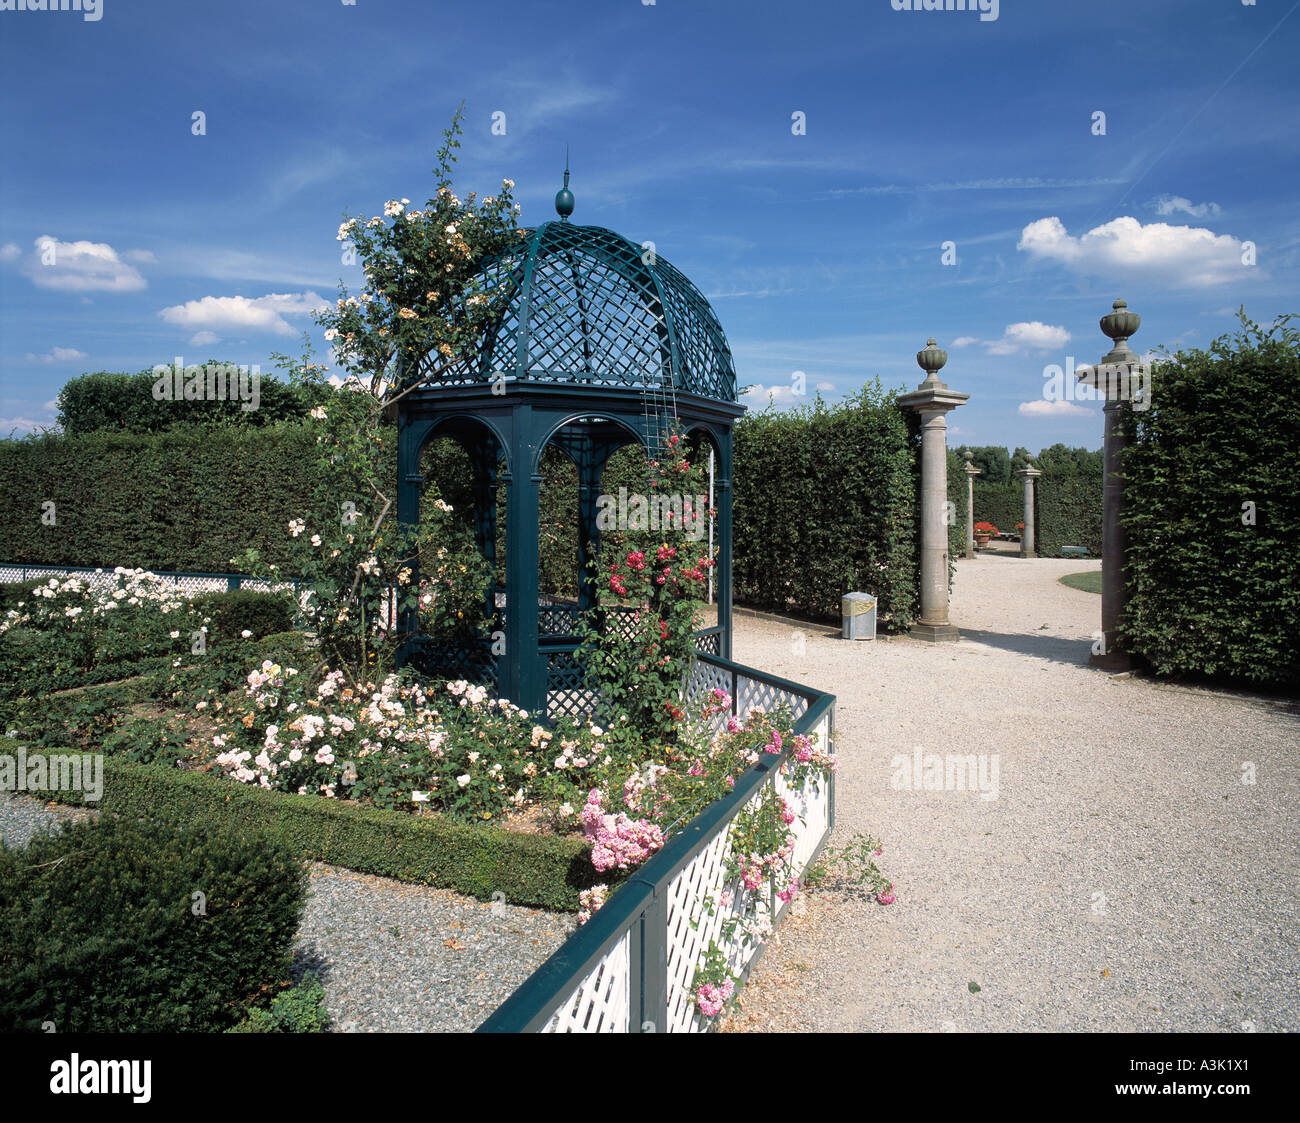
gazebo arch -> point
(600, 342)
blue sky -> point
(821, 251)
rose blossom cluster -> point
(590, 901)
(711, 998)
(617, 841)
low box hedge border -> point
(477, 861)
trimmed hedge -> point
(126, 924)
(1068, 512)
(1003, 505)
(236, 611)
(478, 861)
(125, 402)
(1212, 511)
(826, 504)
(185, 499)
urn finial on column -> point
(931, 359)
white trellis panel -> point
(601, 1003)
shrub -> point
(107, 400)
(1069, 511)
(825, 504)
(300, 1009)
(118, 924)
(1003, 505)
(187, 499)
(477, 860)
(12, 593)
(1212, 511)
(243, 610)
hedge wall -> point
(1068, 512)
(825, 504)
(477, 861)
(1003, 505)
(1212, 511)
(188, 498)
(125, 402)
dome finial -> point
(564, 197)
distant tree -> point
(1058, 460)
(993, 462)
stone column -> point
(971, 473)
(1112, 378)
(932, 400)
(1029, 474)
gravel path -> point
(1125, 878)
(391, 956)
(400, 957)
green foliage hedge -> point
(235, 611)
(101, 931)
(185, 499)
(826, 504)
(1068, 512)
(125, 402)
(1003, 504)
(478, 861)
(1209, 593)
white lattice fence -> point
(188, 584)
(602, 1001)
(684, 912)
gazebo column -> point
(484, 456)
(411, 435)
(592, 457)
(932, 400)
(723, 492)
(524, 674)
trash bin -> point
(858, 616)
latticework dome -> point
(589, 307)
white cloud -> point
(778, 395)
(21, 425)
(57, 355)
(963, 341)
(237, 313)
(825, 387)
(1053, 409)
(81, 267)
(140, 257)
(203, 338)
(1031, 336)
(1171, 204)
(10, 251)
(1175, 255)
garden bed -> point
(478, 861)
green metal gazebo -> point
(601, 343)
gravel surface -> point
(1125, 878)
(391, 956)
(21, 817)
(404, 957)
